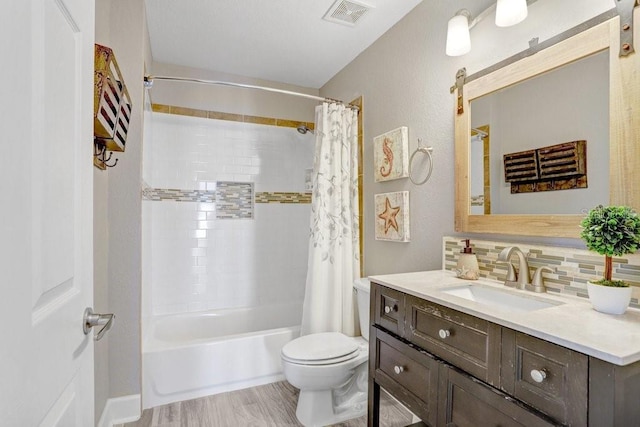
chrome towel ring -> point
(427, 151)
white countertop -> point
(573, 323)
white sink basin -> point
(499, 299)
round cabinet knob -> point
(398, 369)
(538, 375)
(388, 309)
(444, 333)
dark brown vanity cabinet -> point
(388, 309)
(465, 341)
(551, 378)
(465, 402)
(406, 372)
(456, 370)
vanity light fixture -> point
(458, 38)
(508, 13)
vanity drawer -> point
(404, 371)
(465, 402)
(387, 307)
(550, 378)
(465, 341)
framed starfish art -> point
(391, 155)
(392, 216)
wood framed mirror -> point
(624, 129)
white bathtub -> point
(186, 356)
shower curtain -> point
(334, 262)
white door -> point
(46, 279)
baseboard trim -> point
(120, 410)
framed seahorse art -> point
(391, 154)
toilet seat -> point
(324, 348)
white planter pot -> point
(607, 299)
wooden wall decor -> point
(556, 167)
(111, 107)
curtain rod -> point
(148, 83)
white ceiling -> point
(279, 40)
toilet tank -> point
(363, 289)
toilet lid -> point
(322, 348)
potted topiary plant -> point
(610, 231)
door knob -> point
(91, 319)
(538, 375)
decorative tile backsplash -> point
(572, 267)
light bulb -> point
(510, 12)
(458, 38)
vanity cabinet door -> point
(614, 394)
(465, 402)
(387, 306)
(551, 378)
(408, 374)
(465, 341)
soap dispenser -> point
(467, 267)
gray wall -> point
(120, 25)
(404, 79)
(128, 34)
(101, 242)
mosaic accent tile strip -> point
(282, 197)
(218, 115)
(572, 267)
(158, 194)
(233, 200)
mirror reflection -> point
(567, 104)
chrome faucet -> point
(521, 279)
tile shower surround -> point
(202, 176)
(573, 267)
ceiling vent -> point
(346, 12)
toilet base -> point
(318, 408)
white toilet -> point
(331, 370)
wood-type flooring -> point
(270, 405)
